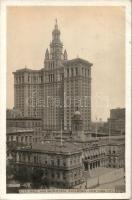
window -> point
(45, 161)
(46, 173)
(21, 139)
(85, 72)
(26, 138)
(52, 162)
(71, 72)
(22, 79)
(58, 162)
(41, 79)
(28, 158)
(62, 77)
(53, 77)
(58, 175)
(30, 139)
(67, 72)
(11, 138)
(82, 71)
(64, 175)
(53, 176)
(24, 157)
(35, 160)
(76, 71)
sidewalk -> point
(116, 185)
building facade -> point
(65, 165)
(34, 123)
(19, 135)
(116, 152)
(115, 124)
(61, 165)
(56, 91)
(117, 119)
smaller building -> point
(13, 113)
(115, 125)
(34, 123)
(116, 122)
(117, 113)
(116, 152)
(19, 135)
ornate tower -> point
(54, 82)
(54, 58)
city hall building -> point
(68, 165)
(57, 90)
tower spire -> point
(56, 21)
(54, 56)
(56, 25)
(65, 55)
(56, 45)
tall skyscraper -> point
(56, 91)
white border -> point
(3, 6)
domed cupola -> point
(77, 122)
(77, 115)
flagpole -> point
(96, 128)
(61, 132)
(109, 131)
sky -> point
(93, 33)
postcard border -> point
(4, 5)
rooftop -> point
(28, 70)
(54, 148)
(78, 61)
(18, 130)
(23, 118)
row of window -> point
(25, 124)
(34, 79)
(20, 138)
(75, 72)
(95, 156)
(38, 159)
(51, 77)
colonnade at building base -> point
(96, 164)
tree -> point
(22, 174)
(36, 178)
